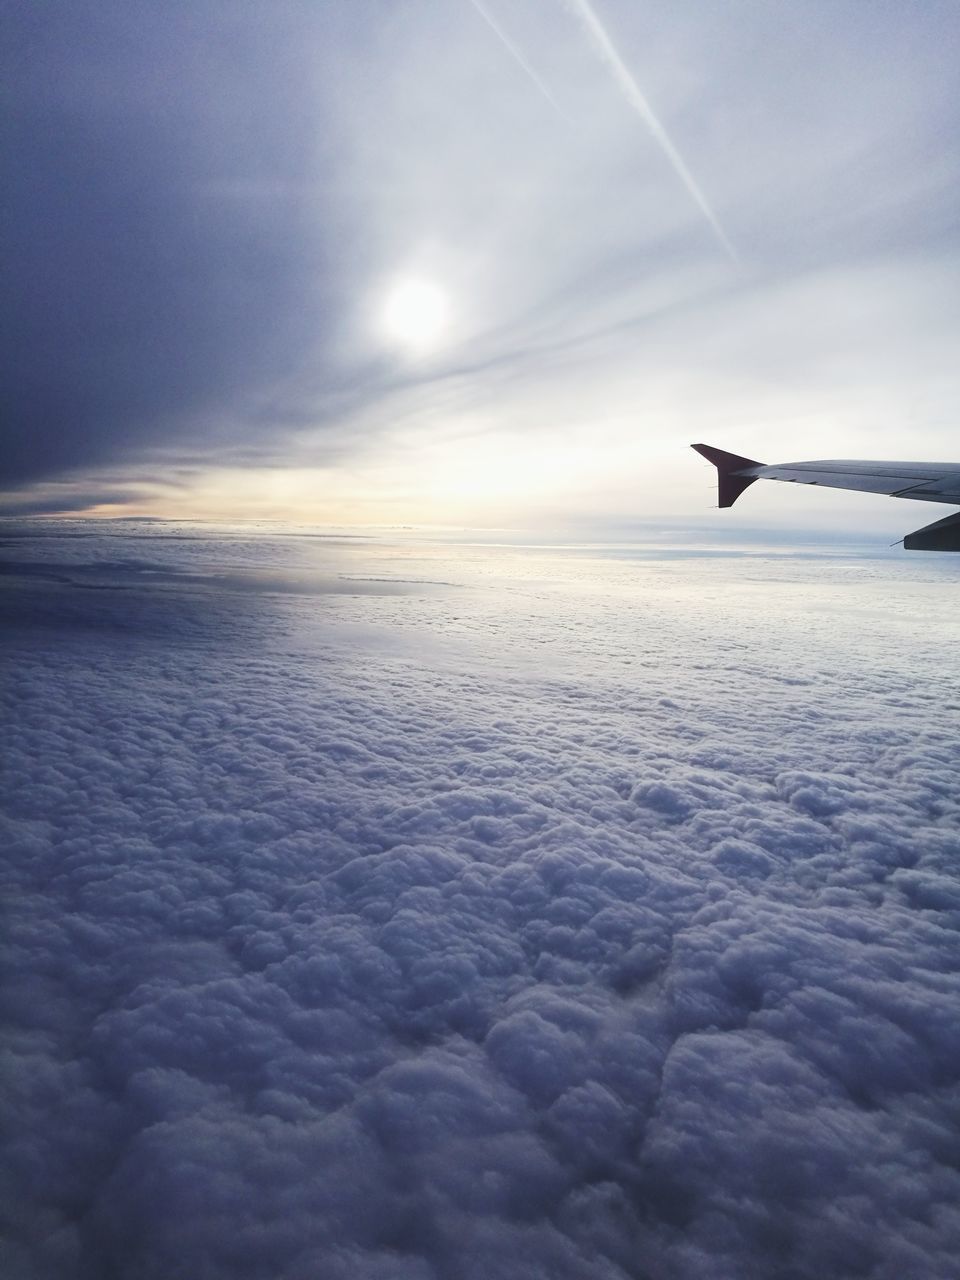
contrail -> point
(632, 92)
(518, 56)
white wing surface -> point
(924, 481)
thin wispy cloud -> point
(637, 99)
(518, 57)
(200, 301)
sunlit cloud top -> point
(472, 260)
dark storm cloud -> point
(161, 258)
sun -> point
(415, 314)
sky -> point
(384, 910)
(464, 263)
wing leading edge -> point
(923, 481)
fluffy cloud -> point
(473, 932)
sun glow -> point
(415, 314)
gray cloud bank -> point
(158, 223)
(586, 935)
(206, 201)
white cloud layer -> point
(586, 919)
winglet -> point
(733, 472)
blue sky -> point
(474, 263)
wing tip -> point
(731, 481)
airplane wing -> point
(924, 481)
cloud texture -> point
(532, 928)
(209, 205)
